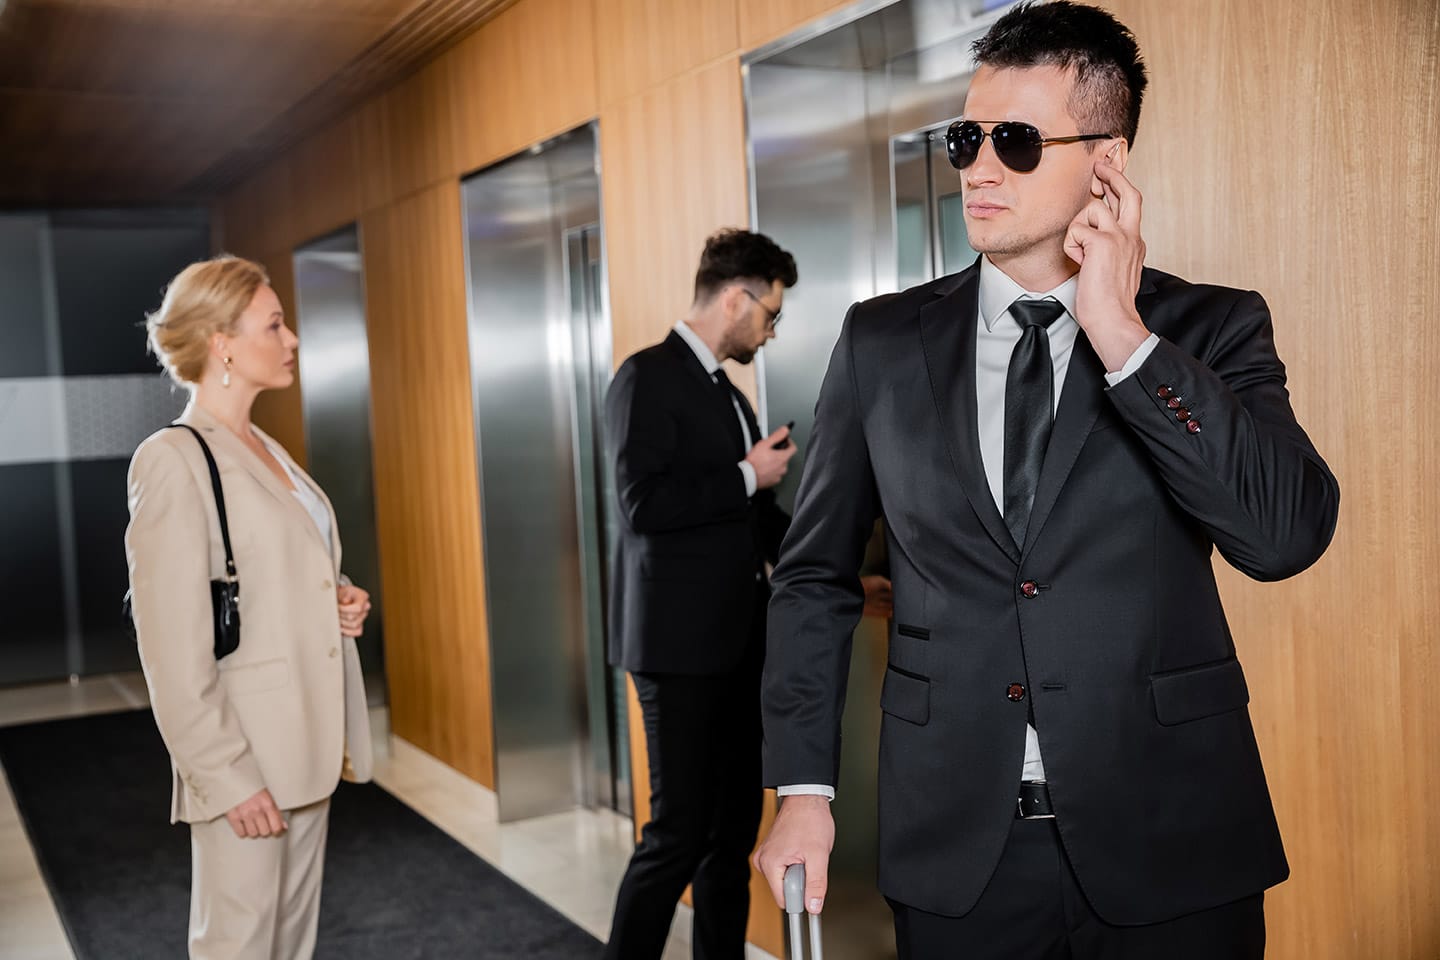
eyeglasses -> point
(773, 315)
(1018, 145)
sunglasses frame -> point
(1034, 140)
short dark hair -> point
(1109, 72)
(733, 254)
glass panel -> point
(954, 239)
(914, 233)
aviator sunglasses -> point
(1018, 145)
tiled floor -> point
(573, 861)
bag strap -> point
(219, 497)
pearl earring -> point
(225, 380)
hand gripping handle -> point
(794, 908)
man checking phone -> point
(1058, 439)
(699, 524)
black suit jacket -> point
(689, 574)
(1123, 650)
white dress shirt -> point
(708, 361)
(995, 339)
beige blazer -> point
(284, 710)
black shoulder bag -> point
(224, 594)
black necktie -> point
(732, 420)
(1029, 409)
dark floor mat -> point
(94, 794)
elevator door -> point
(335, 400)
(540, 362)
(930, 236)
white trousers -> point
(257, 899)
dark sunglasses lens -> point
(962, 143)
(1018, 146)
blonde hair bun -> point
(204, 299)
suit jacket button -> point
(1030, 589)
(334, 652)
(1182, 414)
(1193, 426)
(1173, 403)
(327, 585)
(1163, 391)
(1016, 692)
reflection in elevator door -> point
(930, 237)
(540, 362)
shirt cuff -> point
(747, 470)
(1141, 354)
(806, 790)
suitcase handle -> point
(794, 907)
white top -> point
(307, 496)
(995, 340)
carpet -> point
(94, 794)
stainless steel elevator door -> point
(930, 235)
(335, 401)
(539, 357)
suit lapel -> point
(947, 337)
(309, 481)
(715, 397)
(1080, 402)
(220, 439)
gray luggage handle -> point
(794, 907)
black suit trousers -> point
(1033, 909)
(703, 737)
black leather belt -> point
(1034, 802)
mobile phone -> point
(784, 444)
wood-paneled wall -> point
(527, 76)
(1289, 147)
(674, 162)
(426, 487)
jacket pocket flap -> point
(249, 678)
(906, 696)
(1198, 692)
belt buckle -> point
(1020, 813)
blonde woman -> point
(258, 739)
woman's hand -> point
(354, 608)
(257, 817)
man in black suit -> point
(1057, 438)
(695, 480)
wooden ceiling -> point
(142, 102)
